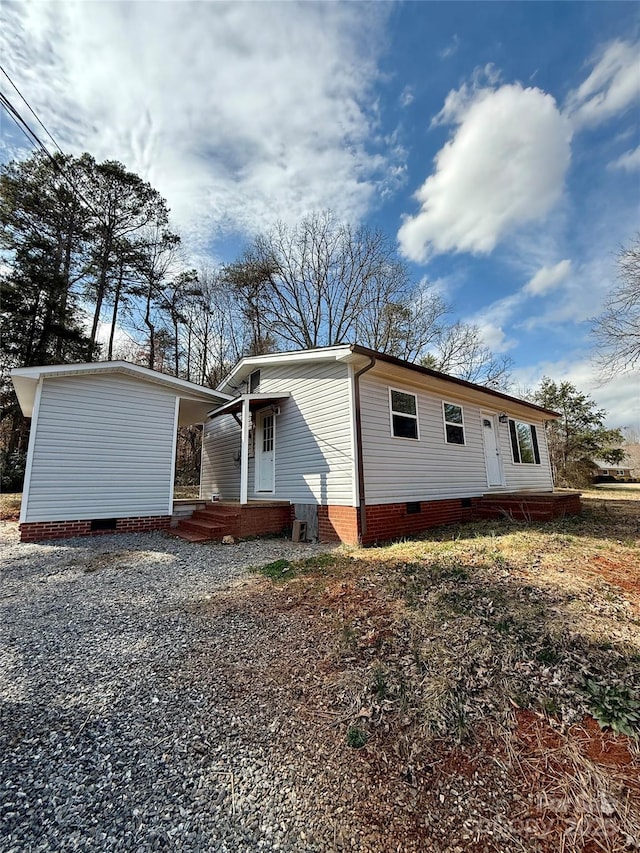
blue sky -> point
(496, 142)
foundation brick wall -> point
(257, 521)
(35, 531)
(530, 508)
(391, 521)
(338, 524)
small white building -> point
(360, 445)
(102, 446)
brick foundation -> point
(258, 521)
(35, 531)
(338, 524)
(392, 521)
(530, 507)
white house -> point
(360, 445)
(370, 447)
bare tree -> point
(323, 283)
(318, 284)
(617, 329)
(459, 350)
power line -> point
(32, 136)
(31, 110)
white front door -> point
(265, 450)
(492, 450)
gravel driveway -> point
(127, 715)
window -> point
(267, 433)
(524, 443)
(404, 414)
(453, 423)
(254, 381)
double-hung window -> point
(524, 443)
(404, 414)
(453, 423)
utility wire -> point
(31, 110)
(35, 140)
(31, 135)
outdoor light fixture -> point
(503, 417)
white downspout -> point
(244, 452)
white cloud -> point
(407, 97)
(451, 48)
(503, 167)
(548, 278)
(494, 336)
(611, 87)
(238, 113)
(629, 161)
(491, 321)
(619, 397)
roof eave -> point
(25, 380)
(445, 377)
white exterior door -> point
(495, 476)
(265, 451)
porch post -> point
(244, 452)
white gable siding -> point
(398, 469)
(103, 447)
(220, 469)
(314, 459)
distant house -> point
(620, 472)
(358, 444)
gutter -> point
(362, 509)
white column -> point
(244, 452)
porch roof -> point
(256, 401)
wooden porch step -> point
(217, 514)
(188, 535)
(203, 528)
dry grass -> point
(503, 640)
(10, 506)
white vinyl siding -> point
(313, 455)
(431, 469)
(314, 461)
(103, 448)
(220, 468)
(527, 476)
(427, 469)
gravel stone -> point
(105, 745)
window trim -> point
(535, 444)
(392, 412)
(446, 423)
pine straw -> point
(574, 802)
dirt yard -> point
(485, 678)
